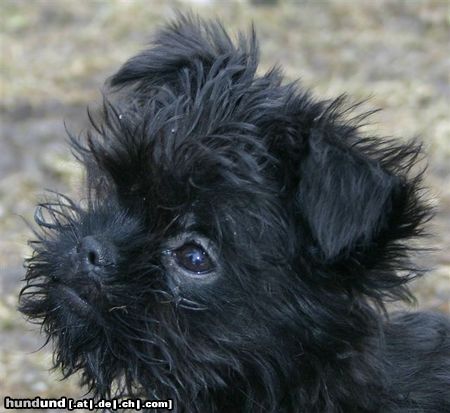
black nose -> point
(94, 253)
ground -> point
(55, 56)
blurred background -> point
(55, 56)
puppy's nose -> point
(94, 253)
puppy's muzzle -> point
(94, 255)
(93, 259)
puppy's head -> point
(235, 231)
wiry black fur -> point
(311, 222)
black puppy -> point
(236, 246)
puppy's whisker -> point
(121, 308)
(183, 302)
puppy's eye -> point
(193, 258)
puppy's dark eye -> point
(193, 258)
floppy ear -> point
(354, 193)
(345, 197)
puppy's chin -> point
(69, 312)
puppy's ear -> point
(186, 52)
(354, 193)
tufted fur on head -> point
(237, 245)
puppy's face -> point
(231, 226)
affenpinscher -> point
(236, 245)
